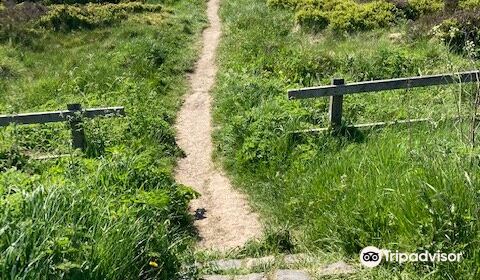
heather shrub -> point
(423, 7)
(470, 4)
(367, 16)
(71, 17)
(16, 21)
(340, 15)
(313, 19)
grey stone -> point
(294, 259)
(336, 268)
(253, 276)
(291, 275)
(254, 262)
(226, 264)
(216, 277)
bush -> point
(315, 20)
(11, 158)
(70, 2)
(9, 68)
(351, 16)
(423, 7)
(15, 21)
(71, 17)
(461, 33)
(341, 15)
(470, 4)
(282, 3)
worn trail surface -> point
(228, 221)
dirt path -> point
(228, 221)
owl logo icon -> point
(370, 256)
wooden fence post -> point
(76, 124)
(336, 106)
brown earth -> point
(228, 221)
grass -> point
(402, 188)
(115, 212)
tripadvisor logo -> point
(372, 256)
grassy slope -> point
(106, 216)
(400, 188)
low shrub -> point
(350, 15)
(16, 20)
(289, 4)
(340, 15)
(8, 68)
(461, 33)
(470, 4)
(79, 1)
(423, 7)
(315, 20)
(69, 2)
(356, 17)
(71, 17)
(11, 158)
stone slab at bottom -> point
(216, 277)
(253, 276)
(289, 274)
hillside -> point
(214, 172)
(116, 211)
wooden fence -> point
(339, 88)
(74, 115)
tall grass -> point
(116, 211)
(407, 188)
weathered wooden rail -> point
(74, 115)
(339, 88)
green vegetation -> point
(115, 212)
(351, 16)
(405, 188)
(68, 17)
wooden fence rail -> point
(74, 115)
(339, 88)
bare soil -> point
(228, 221)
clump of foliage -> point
(341, 15)
(71, 17)
(351, 16)
(12, 158)
(460, 32)
(9, 68)
(71, 2)
(423, 7)
(470, 4)
(16, 20)
(313, 19)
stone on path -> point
(291, 275)
(253, 276)
(296, 258)
(226, 264)
(254, 262)
(216, 277)
(336, 268)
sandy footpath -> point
(228, 221)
